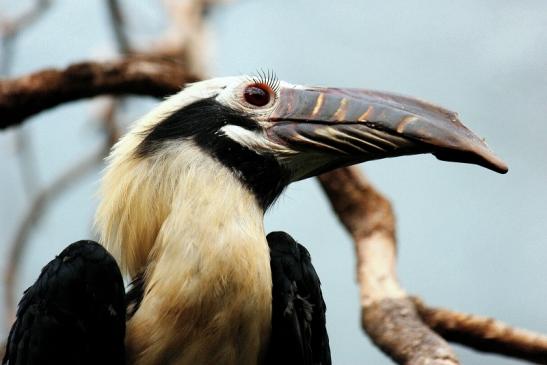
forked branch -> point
(402, 326)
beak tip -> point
(481, 157)
(490, 160)
(500, 169)
(499, 166)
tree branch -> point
(388, 316)
(117, 21)
(403, 326)
(23, 97)
(484, 334)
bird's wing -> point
(73, 314)
(299, 335)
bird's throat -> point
(207, 296)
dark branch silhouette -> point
(25, 96)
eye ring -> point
(258, 94)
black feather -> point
(299, 334)
(73, 314)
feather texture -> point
(73, 314)
(299, 335)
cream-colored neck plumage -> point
(197, 233)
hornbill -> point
(182, 206)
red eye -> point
(257, 94)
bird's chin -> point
(309, 164)
(320, 169)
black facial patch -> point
(201, 122)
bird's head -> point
(269, 133)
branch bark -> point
(484, 334)
(25, 96)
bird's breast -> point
(210, 303)
(207, 292)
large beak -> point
(359, 125)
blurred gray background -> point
(470, 239)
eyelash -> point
(267, 78)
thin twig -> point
(117, 21)
(122, 40)
(15, 24)
(45, 198)
(26, 161)
(30, 220)
(109, 122)
(125, 48)
(10, 28)
(186, 36)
